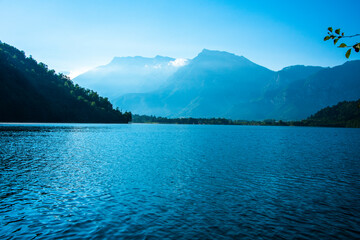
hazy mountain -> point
(290, 74)
(221, 84)
(130, 75)
(273, 97)
(30, 92)
(326, 87)
(207, 86)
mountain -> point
(269, 105)
(290, 74)
(303, 97)
(30, 92)
(130, 75)
(207, 86)
(221, 84)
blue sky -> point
(73, 36)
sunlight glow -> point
(179, 62)
(74, 73)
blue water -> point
(141, 181)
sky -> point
(73, 36)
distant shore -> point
(223, 121)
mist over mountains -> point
(130, 75)
(221, 84)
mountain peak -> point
(222, 58)
(215, 53)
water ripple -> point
(178, 182)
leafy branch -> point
(337, 35)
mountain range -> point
(222, 84)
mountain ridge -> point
(221, 84)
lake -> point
(149, 181)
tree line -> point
(343, 114)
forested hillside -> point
(30, 92)
(343, 114)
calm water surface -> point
(138, 181)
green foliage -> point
(30, 92)
(343, 45)
(348, 52)
(341, 35)
(343, 114)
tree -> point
(337, 35)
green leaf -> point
(347, 55)
(356, 47)
(330, 29)
(343, 45)
(335, 41)
(326, 38)
(337, 31)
